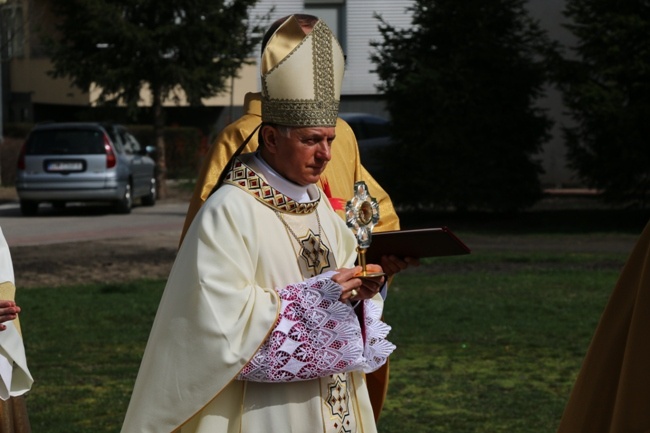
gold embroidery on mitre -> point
(242, 176)
(304, 87)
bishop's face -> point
(299, 154)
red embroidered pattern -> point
(317, 335)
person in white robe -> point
(15, 378)
(264, 324)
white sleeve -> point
(317, 335)
(6, 371)
(376, 348)
(15, 377)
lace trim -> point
(377, 349)
(316, 335)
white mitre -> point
(302, 76)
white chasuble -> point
(219, 307)
(15, 378)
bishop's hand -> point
(355, 288)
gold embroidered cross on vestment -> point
(312, 250)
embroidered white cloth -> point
(376, 348)
(317, 335)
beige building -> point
(30, 94)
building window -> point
(333, 13)
(12, 39)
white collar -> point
(300, 193)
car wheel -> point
(125, 204)
(28, 207)
(150, 199)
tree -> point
(127, 48)
(606, 87)
(461, 86)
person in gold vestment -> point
(15, 378)
(612, 391)
(265, 324)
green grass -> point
(492, 350)
(489, 342)
(83, 348)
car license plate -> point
(66, 166)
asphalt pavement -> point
(89, 222)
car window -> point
(367, 126)
(133, 142)
(375, 128)
(114, 136)
(124, 139)
(65, 142)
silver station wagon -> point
(84, 162)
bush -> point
(9, 150)
(461, 86)
(183, 148)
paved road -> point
(165, 219)
(85, 222)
